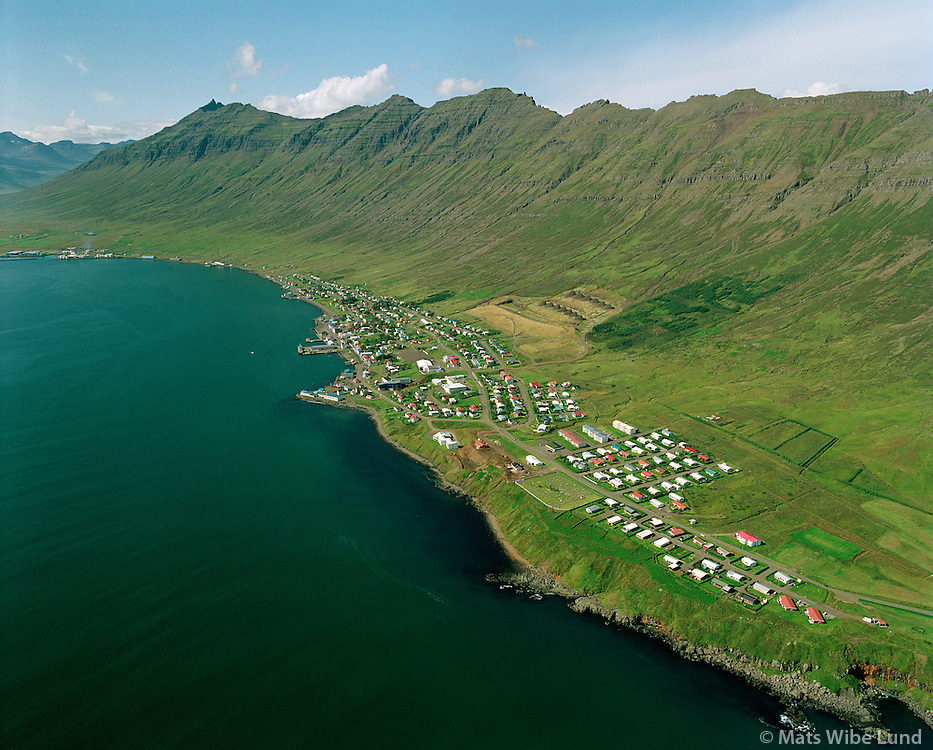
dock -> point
(322, 348)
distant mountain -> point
(24, 163)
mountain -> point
(491, 182)
(24, 163)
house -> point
(710, 564)
(814, 616)
(675, 532)
(625, 429)
(662, 543)
(724, 585)
(594, 509)
(698, 575)
(645, 534)
(734, 575)
(613, 520)
(747, 599)
(747, 539)
(533, 460)
(748, 562)
(762, 588)
(787, 603)
(672, 562)
(451, 385)
(427, 366)
(629, 527)
(656, 522)
(784, 578)
(573, 438)
(656, 503)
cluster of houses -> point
(554, 402)
(648, 468)
(505, 396)
(713, 564)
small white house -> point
(533, 460)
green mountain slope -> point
(718, 228)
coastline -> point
(788, 686)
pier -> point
(322, 348)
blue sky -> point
(114, 69)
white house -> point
(446, 440)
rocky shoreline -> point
(789, 686)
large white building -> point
(596, 434)
(625, 429)
(446, 440)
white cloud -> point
(244, 64)
(524, 42)
(454, 86)
(333, 95)
(76, 62)
(852, 44)
(76, 129)
(103, 97)
(818, 88)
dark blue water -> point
(191, 558)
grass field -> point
(826, 543)
(805, 446)
(542, 337)
(913, 537)
(560, 492)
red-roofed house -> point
(747, 539)
(787, 603)
(814, 616)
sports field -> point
(559, 491)
(824, 542)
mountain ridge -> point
(25, 163)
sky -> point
(110, 70)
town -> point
(451, 379)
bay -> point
(192, 558)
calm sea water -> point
(191, 558)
